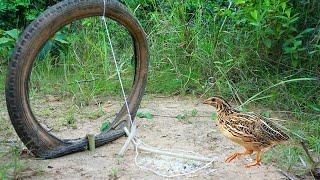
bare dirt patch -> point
(193, 131)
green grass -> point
(84, 70)
(10, 163)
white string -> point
(165, 175)
(137, 142)
(115, 62)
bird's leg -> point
(235, 155)
(258, 161)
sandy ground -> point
(194, 133)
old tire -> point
(40, 142)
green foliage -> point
(7, 41)
(80, 70)
(105, 126)
(18, 13)
(10, 164)
(181, 117)
(69, 119)
(93, 115)
(114, 174)
(56, 45)
(147, 115)
(185, 117)
(194, 112)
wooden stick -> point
(92, 145)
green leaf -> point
(307, 30)
(62, 41)
(140, 115)
(86, 23)
(14, 33)
(60, 38)
(254, 14)
(194, 113)
(315, 107)
(288, 50)
(105, 126)
(297, 43)
(181, 116)
(267, 43)
(239, 2)
(283, 6)
(255, 24)
(24, 3)
(147, 115)
(288, 13)
(32, 14)
(217, 62)
(229, 61)
(45, 50)
(4, 40)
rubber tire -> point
(40, 142)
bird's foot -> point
(232, 157)
(257, 163)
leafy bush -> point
(19, 13)
(7, 41)
(15, 15)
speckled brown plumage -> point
(253, 132)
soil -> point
(193, 130)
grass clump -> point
(11, 164)
(146, 115)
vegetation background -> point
(260, 53)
